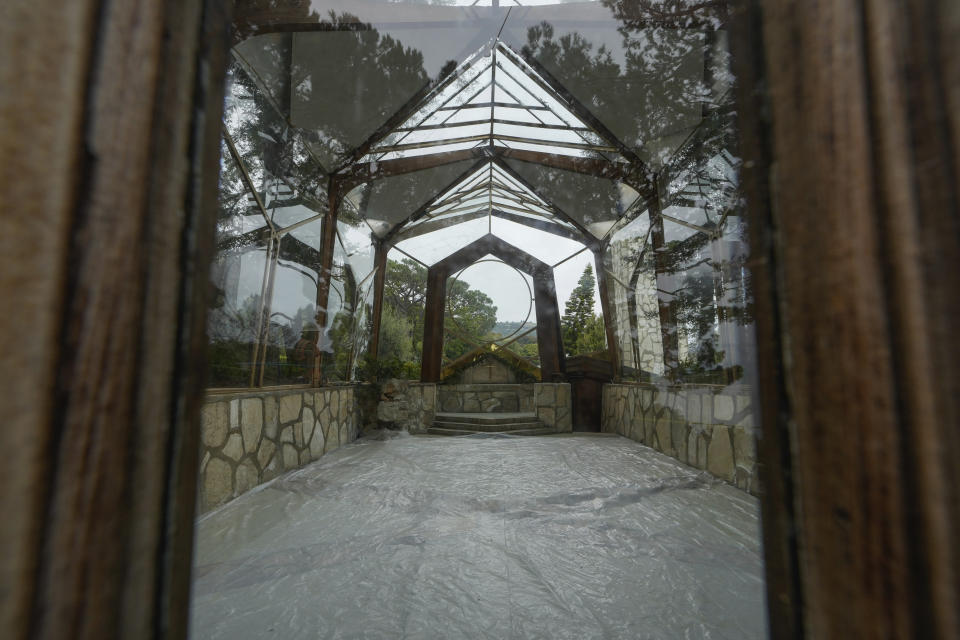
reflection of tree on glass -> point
(305, 353)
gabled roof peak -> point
(494, 98)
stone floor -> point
(579, 536)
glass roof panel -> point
(432, 247)
(238, 212)
(542, 245)
(264, 60)
(310, 234)
(474, 97)
(394, 199)
(587, 199)
(710, 184)
(491, 186)
(650, 86)
(673, 232)
(358, 247)
(647, 85)
(392, 57)
(637, 230)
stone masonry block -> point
(265, 453)
(723, 407)
(744, 447)
(290, 407)
(246, 477)
(217, 482)
(336, 399)
(251, 423)
(695, 407)
(720, 455)
(308, 424)
(316, 444)
(234, 447)
(214, 423)
(291, 459)
(663, 432)
(547, 415)
(271, 416)
(546, 395)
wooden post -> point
(327, 245)
(853, 190)
(266, 311)
(110, 139)
(379, 280)
(549, 339)
(431, 360)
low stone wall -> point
(553, 405)
(705, 426)
(250, 437)
(408, 406)
(486, 398)
(411, 406)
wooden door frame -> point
(850, 136)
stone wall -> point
(250, 437)
(486, 398)
(411, 406)
(408, 406)
(708, 427)
(553, 405)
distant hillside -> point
(508, 328)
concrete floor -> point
(581, 536)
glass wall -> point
(264, 281)
(347, 332)
(587, 143)
(679, 284)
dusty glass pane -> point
(236, 311)
(293, 311)
(595, 203)
(595, 138)
(433, 247)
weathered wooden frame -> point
(852, 180)
(549, 341)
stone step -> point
(487, 428)
(462, 424)
(485, 418)
(439, 431)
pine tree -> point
(578, 312)
(593, 338)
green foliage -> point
(474, 315)
(594, 337)
(401, 325)
(229, 363)
(396, 334)
(583, 332)
(374, 369)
